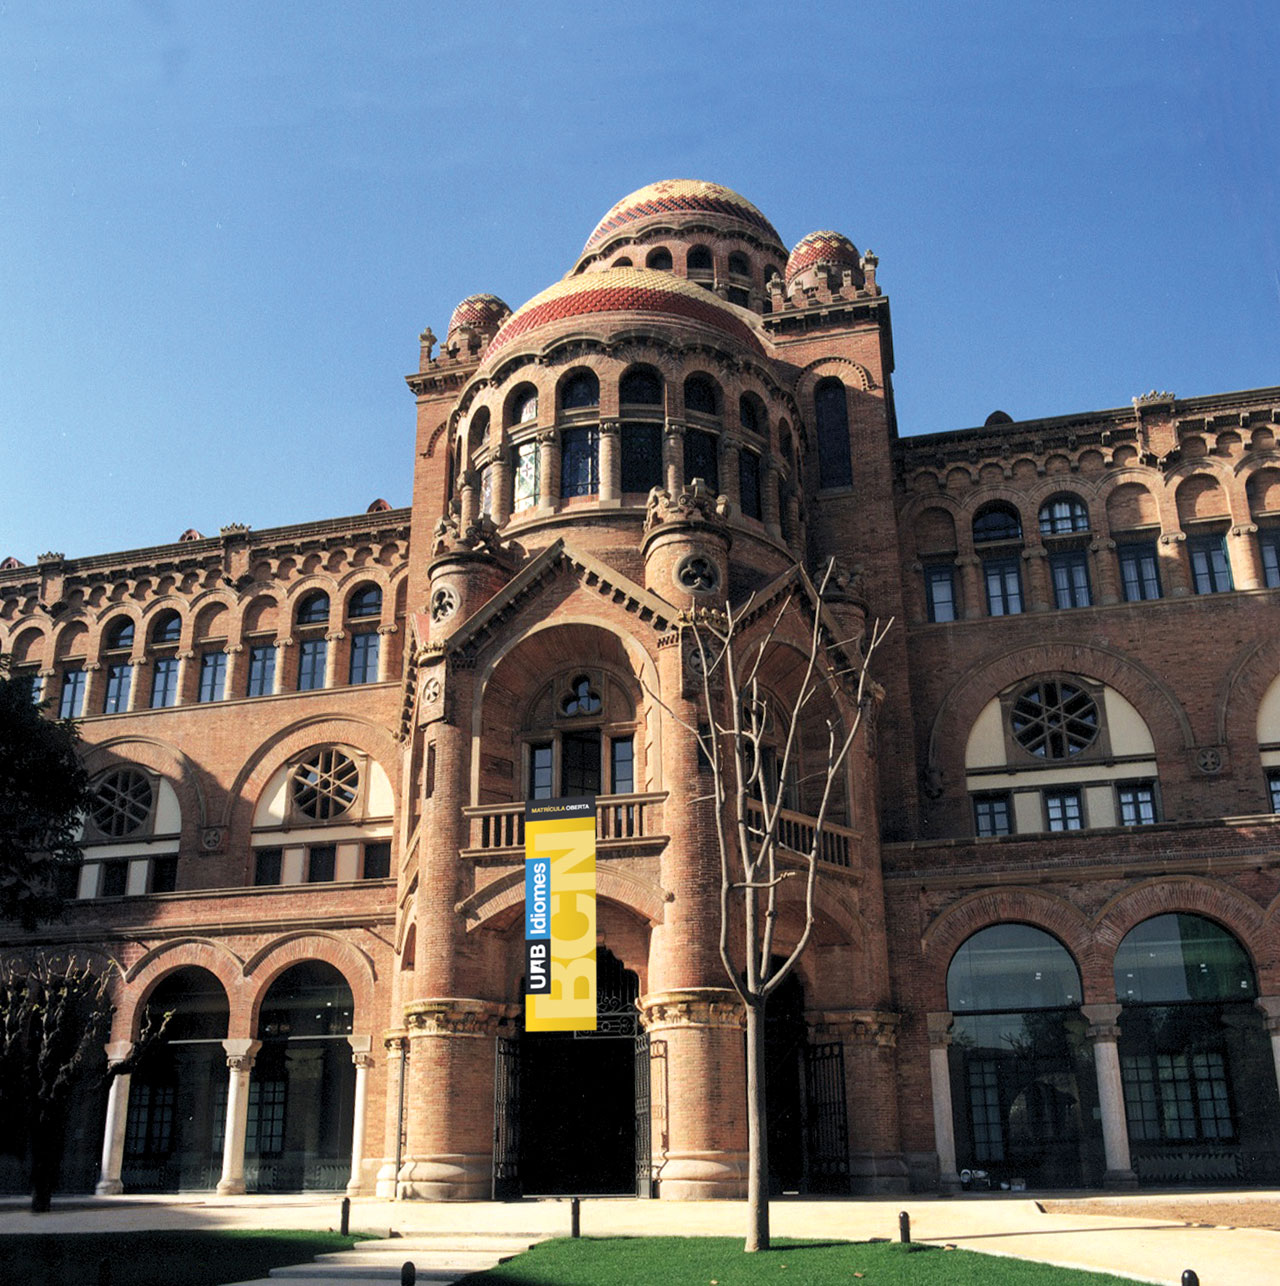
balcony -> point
(622, 821)
(795, 833)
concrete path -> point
(1128, 1244)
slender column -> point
(1103, 1033)
(1106, 572)
(944, 1121)
(95, 687)
(397, 1046)
(1270, 1006)
(234, 679)
(1175, 573)
(187, 674)
(673, 456)
(1039, 587)
(973, 601)
(730, 475)
(385, 633)
(109, 1182)
(333, 653)
(548, 468)
(284, 658)
(363, 1059)
(240, 1056)
(1242, 550)
(610, 462)
(500, 482)
(770, 505)
(470, 493)
(139, 676)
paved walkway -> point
(1129, 1244)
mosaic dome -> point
(674, 197)
(822, 250)
(480, 312)
(623, 290)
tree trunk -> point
(757, 1134)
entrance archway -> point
(577, 1096)
(302, 1088)
(785, 1043)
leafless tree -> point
(739, 718)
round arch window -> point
(325, 786)
(1012, 967)
(1053, 719)
(122, 803)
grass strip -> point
(199, 1257)
(721, 1261)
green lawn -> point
(720, 1261)
(195, 1258)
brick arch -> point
(1193, 895)
(440, 428)
(1087, 491)
(635, 894)
(300, 588)
(848, 923)
(1241, 692)
(1015, 905)
(355, 965)
(163, 758)
(151, 968)
(317, 730)
(1153, 700)
(836, 368)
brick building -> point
(1047, 940)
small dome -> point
(624, 290)
(479, 312)
(379, 506)
(660, 202)
(9, 564)
(823, 250)
(997, 417)
(190, 534)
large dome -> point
(659, 202)
(623, 290)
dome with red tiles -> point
(479, 312)
(674, 199)
(624, 290)
(830, 250)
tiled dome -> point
(623, 290)
(480, 312)
(822, 250)
(674, 197)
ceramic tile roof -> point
(484, 312)
(832, 248)
(675, 197)
(623, 290)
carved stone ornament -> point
(1209, 760)
(444, 603)
(873, 1027)
(451, 535)
(695, 503)
(211, 839)
(703, 1007)
(432, 690)
(456, 1016)
(697, 574)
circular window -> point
(122, 803)
(1054, 720)
(325, 786)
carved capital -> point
(610, 428)
(939, 1025)
(1104, 1022)
(1270, 1006)
(457, 1016)
(693, 1007)
(873, 1028)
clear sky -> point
(222, 226)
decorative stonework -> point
(455, 1016)
(444, 603)
(1210, 760)
(876, 1028)
(695, 504)
(697, 574)
(694, 1007)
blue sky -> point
(223, 226)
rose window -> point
(325, 786)
(122, 803)
(698, 575)
(1054, 720)
(580, 699)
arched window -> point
(701, 395)
(739, 264)
(167, 628)
(1176, 959)
(1061, 515)
(581, 389)
(640, 387)
(750, 414)
(366, 601)
(835, 461)
(622, 262)
(582, 738)
(479, 427)
(314, 608)
(523, 405)
(996, 521)
(659, 259)
(999, 524)
(120, 634)
(1027, 1096)
(699, 260)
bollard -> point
(904, 1226)
(104, 1271)
(346, 1216)
(408, 1273)
(1189, 1278)
(575, 1217)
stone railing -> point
(795, 832)
(620, 819)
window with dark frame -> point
(622, 765)
(641, 457)
(1210, 567)
(312, 654)
(1269, 550)
(119, 681)
(314, 609)
(262, 670)
(1136, 803)
(267, 866)
(377, 861)
(365, 602)
(1003, 578)
(701, 459)
(321, 863)
(524, 475)
(940, 592)
(213, 676)
(579, 462)
(1063, 809)
(1069, 570)
(75, 683)
(363, 666)
(749, 485)
(992, 815)
(164, 682)
(1273, 789)
(835, 459)
(1139, 571)
(1062, 515)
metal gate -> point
(648, 1106)
(506, 1119)
(828, 1119)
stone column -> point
(333, 653)
(469, 493)
(397, 1046)
(973, 599)
(240, 1056)
(1175, 572)
(453, 1046)
(1242, 552)
(944, 1120)
(138, 678)
(385, 633)
(1270, 1006)
(234, 679)
(500, 480)
(673, 456)
(1106, 571)
(730, 475)
(363, 1059)
(700, 1127)
(109, 1182)
(1039, 586)
(548, 469)
(95, 687)
(1103, 1033)
(188, 679)
(610, 462)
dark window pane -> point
(582, 389)
(71, 702)
(1070, 572)
(377, 861)
(1004, 586)
(699, 259)
(314, 609)
(1137, 803)
(835, 463)
(364, 658)
(622, 768)
(120, 634)
(1139, 572)
(640, 388)
(115, 877)
(997, 523)
(164, 683)
(311, 660)
(262, 670)
(1063, 514)
(659, 259)
(1063, 810)
(366, 601)
(541, 761)
(579, 462)
(580, 763)
(700, 395)
(119, 680)
(700, 459)
(266, 866)
(641, 457)
(1210, 570)
(213, 676)
(168, 628)
(940, 590)
(320, 865)
(164, 875)
(749, 485)
(992, 815)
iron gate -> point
(828, 1119)
(506, 1119)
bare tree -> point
(748, 794)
